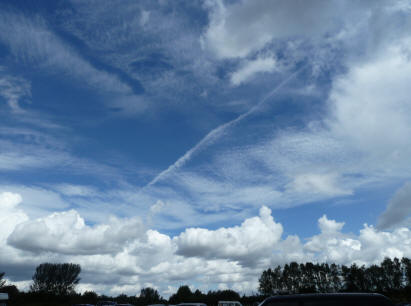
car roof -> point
(4, 296)
(313, 296)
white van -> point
(4, 297)
(229, 303)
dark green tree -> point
(270, 281)
(122, 298)
(2, 281)
(150, 296)
(265, 284)
(228, 295)
(90, 297)
(308, 284)
(198, 295)
(374, 278)
(57, 279)
(182, 295)
(295, 277)
(406, 271)
(355, 278)
(392, 275)
(335, 278)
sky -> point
(164, 143)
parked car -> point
(229, 303)
(4, 297)
(191, 304)
(327, 299)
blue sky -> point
(200, 142)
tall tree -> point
(149, 296)
(354, 278)
(392, 274)
(374, 278)
(182, 295)
(308, 279)
(2, 281)
(406, 271)
(90, 297)
(295, 277)
(335, 278)
(58, 279)
(265, 287)
(270, 281)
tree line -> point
(391, 275)
(54, 284)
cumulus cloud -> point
(331, 244)
(329, 226)
(369, 247)
(67, 233)
(248, 242)
(398, 209)
(11, 215)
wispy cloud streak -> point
(216, 133)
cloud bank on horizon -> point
(123, 251)
(202, 142)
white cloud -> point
(326, 184)
(250, 68)
(246, 243)
(213, 194)
(76, 190)
(14, 156)
(11, 215)
(329, 226)
(157, 207)
(371, 105)
(240, 28)
(67, 233)
(37, 201)
(13, 89)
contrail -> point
(214, 134)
